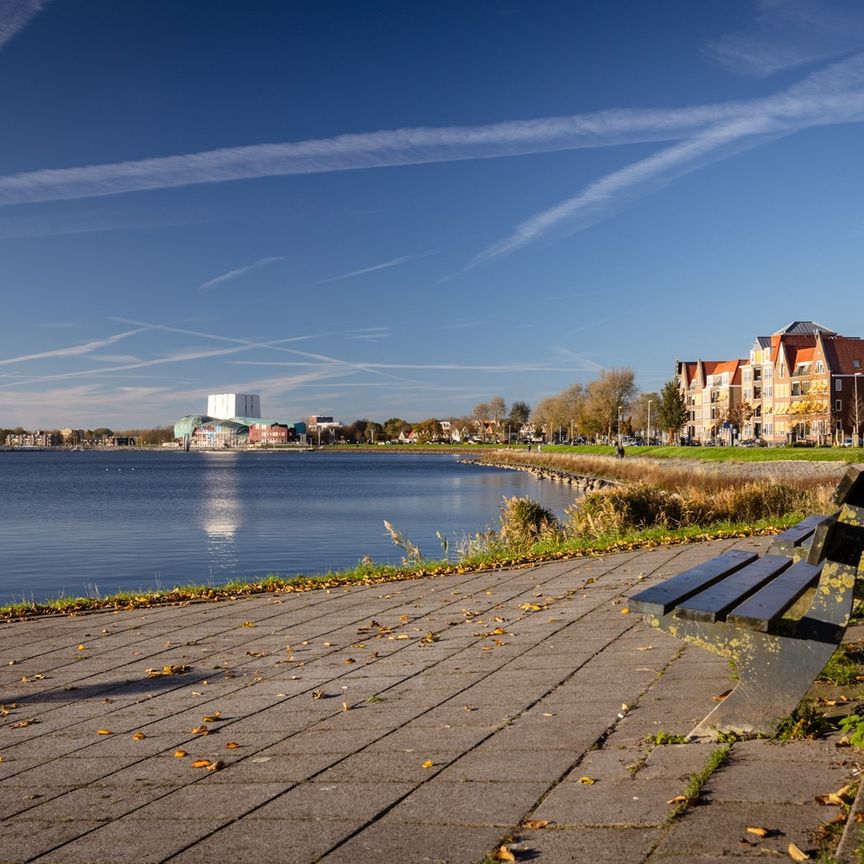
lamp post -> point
(857, 409)
(619, 425)
(649, 421)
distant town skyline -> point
(389, 209)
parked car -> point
(847, 442)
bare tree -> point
(609, 396)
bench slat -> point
(770, 602)
(714, 602)
(659, 599)
(798, 533)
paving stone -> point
(264, 767)
(441, 803)
(130, 841)
(579, 846)
(773, 781)
(620, 803)
(509, 766)
(719, 829)
(274, 841)
(423, 843)
(389, 767)
(22, 840)
(324, 800)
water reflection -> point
(221, 511)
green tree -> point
(672, 411)
(520, 412)
(427, 430)
(393, 427)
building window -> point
(820, 367)
(838, 384)
(782, 370)
(767, 373)
(856, 364)
(838, 404)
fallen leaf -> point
(211, 718)
(346, 706)
(350, 660)
(504, 854)
(180, 753)
(680, 799)
(625, 611)
(757, 830)
(138, 736)
(248, 623)
(721, 696)
(201, 763)
(103, 731)
(428, 764)
(587, 781)
(796, 854)
(82, 647)
(317, 694)
(530, 607)
(470, 707)
(216, 766)
(231, 745)
(536, 824)
(200, 730)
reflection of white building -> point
(220, 513)
(225, 406)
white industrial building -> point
(225, 406)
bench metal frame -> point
(777, 618)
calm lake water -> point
(91, 522)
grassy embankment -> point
(658, 505)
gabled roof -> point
(841, 352)
(802, 328)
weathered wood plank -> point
(659, 599)
(715, 601)
(770, 602)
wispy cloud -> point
(395, 262)
(73, 350)
(832, 95)
(786, 34)
(236, 274)
(15, 15)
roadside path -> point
(420, 721)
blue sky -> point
(401, 209)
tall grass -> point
(664, 474)
(619, 510)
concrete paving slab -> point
(544, 712)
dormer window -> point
(856, 364)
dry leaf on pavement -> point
(796, 854)
(536, 823)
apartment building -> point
(712, 392)
(800, 384)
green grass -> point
(492, 557)
(693, 790)
(723, 454)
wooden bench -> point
(778, 618)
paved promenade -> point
(420, 721)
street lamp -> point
(857, 409)
(619, 425)
(649, 421)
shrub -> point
(525, 522)
(618, 510)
